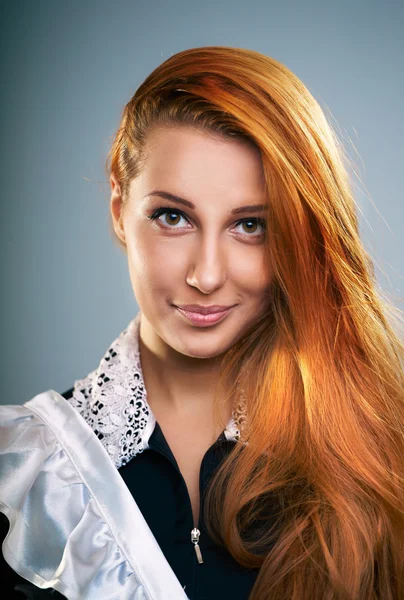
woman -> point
(243, 436)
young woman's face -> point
(207, 250)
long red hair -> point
(319, 475)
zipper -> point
(195, 533)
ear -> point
(116, 207)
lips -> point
(203, 310)
(211, 317)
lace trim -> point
(113, 400)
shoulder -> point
(53, 474)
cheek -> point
(153, 265)
(251, 272)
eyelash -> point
(165, 209)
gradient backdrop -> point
(68, 69)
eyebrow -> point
(179, 200)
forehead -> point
(190, 159)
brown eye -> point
(255, 228)
(173, 221)
(171, 217)
(251, 226)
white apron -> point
(74, 525)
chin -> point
(203, 348)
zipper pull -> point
(195, 533)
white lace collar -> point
(113, 400)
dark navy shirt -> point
(159, 489)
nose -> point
(207, 268)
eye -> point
(252, 227)
(173, 216)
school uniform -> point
(97, 505)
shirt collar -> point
(113, 400)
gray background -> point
(68, 68)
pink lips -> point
(204, 316)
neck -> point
(176, 382)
